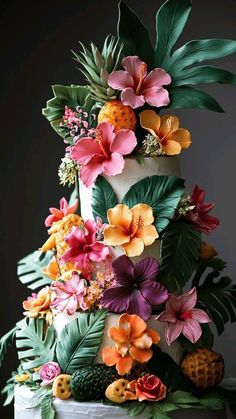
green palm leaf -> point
(219, 298)
(170, 22)
(180, 248)
(29, 270)
(7, 340)
(204, 74)
(103, 198)
(162, 193)
(35, 348)
(80, 340)
(187, 97)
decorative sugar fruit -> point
(119, 115)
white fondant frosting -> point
(70, 409)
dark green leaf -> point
(133, 34)
(46, 408)
(170, 22)
(219, 297)
(180, 248)
(187, 97)
(103, 198)
(34, 347)
(80, 340)
(29, 270)
(229, 396)
(182, 397)
(206, 340)
(71, 96)
(136, 409)
(6, 341)
(217, 264)
(212, 401)
(197, 51)
(204, 74)
(162, 193)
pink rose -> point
(150, 388)
(48, 372)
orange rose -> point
(38, 303)
(149, 388)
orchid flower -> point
(69, 294)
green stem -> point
(78, 193)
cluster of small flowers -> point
(68, 171)
(151, 146)
(78, 123)
(185, 204)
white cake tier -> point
(174, 350)
(70, 409)
(132, 173)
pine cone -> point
(204, 367)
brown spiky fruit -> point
(204, 367)
(117, 114)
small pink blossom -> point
(138, 87)
(85, 249)
(182, 317)
(58, 214)
(48, 372)
(104, 153)
(69, 294)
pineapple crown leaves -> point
(96, 66)
(179, 63)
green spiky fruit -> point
(96, 67)
(90, 383)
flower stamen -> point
(99, 139)
(142, 75)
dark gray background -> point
(35, 52)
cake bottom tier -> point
(70, 409)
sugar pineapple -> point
(96, 67)
(204, 367)
(117, 114)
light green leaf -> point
(204, 74)
(29, 270)
(47, 410)
(162, 193)
(180, 248)
(103, 198)
(136, 409)
(38, 397)
(80, 340)
(219, 297)
(170, 22)
(6, 341)
(187, 97)
(212, 401)
(182, 397)
(35, 348)
(133, 35)
(8, 389)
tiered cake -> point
(124, 290)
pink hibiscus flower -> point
(58, 214)
(137, 86)
(104, 153)
(182, 317)
(69, 294)
(85, 250)
(199, 216)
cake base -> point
(70, 409)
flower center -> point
(99, 139)
(185, 315)
(142, 75)
(170, 126)
(136, 225)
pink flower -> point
(69, 294)
(48, 372)
(103, 154)
(85, 250)
(199, 214)
(182, 317)
(137, 86)
(58, 214)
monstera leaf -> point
(80, 340)
(162, 193)
(6, 341)
(35, 348)
(219, 298)
(133, 34)
(103, 198)
(180, 248)
(29, 270)
(171, 19)
(71, 96)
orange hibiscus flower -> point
(166, 130)
(38, 304)
(133, 341)
(131, 229)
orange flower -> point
(133, 341)
(38, 304)
(166, 130)
(131, 229)
(51, 270)
(207, 251)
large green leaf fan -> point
(180, 63)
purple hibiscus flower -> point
(136, 289)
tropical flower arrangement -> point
(89, 267)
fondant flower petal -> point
(140, 355)
(154, 335)
(135, 324)
(156, 96)
(124, 365)
(188, 300)
(157, 77)
(90, 171)
(124, 142)
(150, 121)
(148, 234)
(116, 236)
(85, 149)
(143, 342)
(138, 305)
(116, 299)
(118, 334)
(134, 247)
(171, 148)
(154, 292)
(132, 65)
(182, 136)
(120, 215)
(120, 80)
(114, 165)
(123, 269)
(110, 356)
(200, 315)
(173, 331)
(143, 212)
(169, 123)
(192, 330)
(146, 268)
(128, 97)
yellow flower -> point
(131, 229)
(22, 378)
(166, 130)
